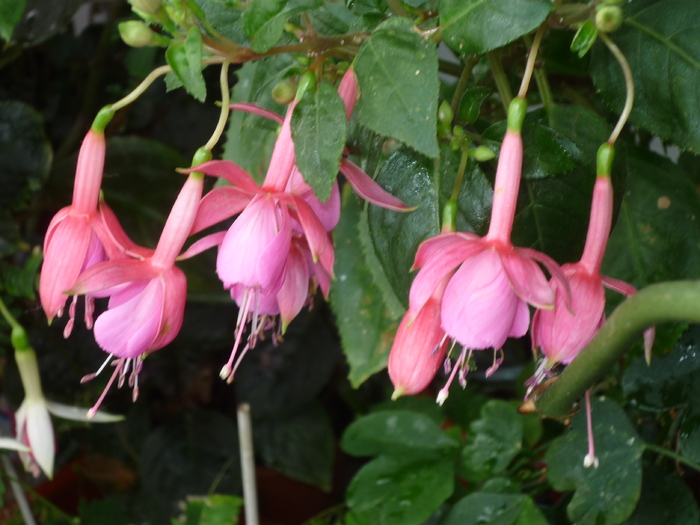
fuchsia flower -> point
(279, 247)
(486, 299)
(147, 296)
(78, 236)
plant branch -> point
(5, 312)
(225, 103)
(462, 83)
(658, 303)
(629, 85)
(499, 75)
(672, 455)
(530, 66)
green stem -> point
(225, 103)
(672, 455)
(462, 83)
(658, 303)
(14, 324)
(530, 66)
(460, 174)
(629, 85)
(499, 75)
(397, 8)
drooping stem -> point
(225, 107)
(462, 83)
(629, 85)
(530, 65)
(499, 75)
(658, 303)
(7, 315)
(671, 454)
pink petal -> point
(175, 294)
(254, 109)
(521, 321)
(218, 205)
(129, 329)
(229, 171)
(64, 257)
(315, 232)
(295, 289)
(266, 304)
(209, 241)
(108, 274)
(526, 278)
(619, 286)
(479, 306)
(435, 270)
(369, 190)
(434, 246)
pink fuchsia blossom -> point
(486, 300)
(147, 296)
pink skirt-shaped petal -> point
(128, 328)
(479, 306)
(175, 289)
(295, 290)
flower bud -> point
(608, 18)
(284, 92)
(19, 339)
(148, 7)
(138, 34)
(483, 153)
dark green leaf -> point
(300, 446)
(264, 20)
(366, 326)
(668, 382)
(397, 75)
(689, 435)
(662, 44)
(473, 27)
(186, 60)
(470, 106)
(319, 130)
(102, 512)
(332, 19)
(418, 404)
(399, 434)
(493, 441)
(606, 495)
(656, 237)
(483, 508)
(585, 38)
(225, 17)
(250, 138)
(665, 499)
(10, 15)
(389, 491)
(21, 282)
(25, 152)
(499, 485)
(211, 510)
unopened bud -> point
(608, 18)
(138, 34)
(19, 339)
(445, 114)
(483, 153)
(148, 7)
(284, 92)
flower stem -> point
(658, 303)
(11, 320)
(530, 66)
(225, 102)
(499, 75)
(672, 455)
(462, 83)
(629, 85)
(460, 174)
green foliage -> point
(397, 76)
(211, 510)
(319, 130)
(481, 508)
(661, 42)
(664, 499)
(264, 20)
(476, 26)
(606, 495)
(10, 14)
(185, 58)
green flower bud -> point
(445, 114)
(19, 339)
(483, 153)
(284, 92)
(137, 34)
(307, 82)
(148, 7)
(608, 18)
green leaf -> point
(10, 15)
(186, 60)
(264, 20)
(411, 177)
(21, 282)
(389, 491)
(493, 441)
(585, 37)
(397, 433)
(319, 130)
(217, 509)
(366, 327)
(472, 27)
(661, 42)
(397, 76)
(225, 18)
(606, 495)
(102, 512)
(664, 499)
(470, 106)
(251, 138)
(418, 404)
(482, 508)
(300, 446)
(656, 237)
(332, 19)
(25, 152)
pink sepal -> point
(60, 215)
(295, 289)
(116, 242)
(434, 246)
(619, 286)
(527, 279)
(229, 171)
(316, 235)
(218, 205)
(369, 190)
(206, 242)
(552, 267)
(348, 91)
(109, 274)
(254, 109)
(283, 157)
(175, 290)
